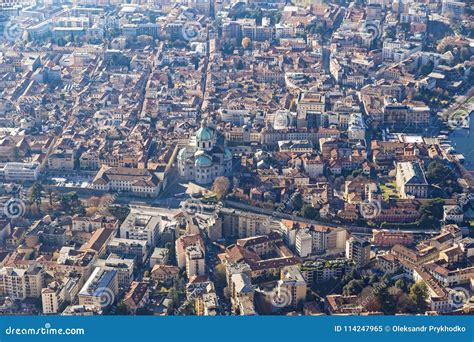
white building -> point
(53, 297)
(13, 171)
(141, 227)
(358, 250)
(100, 289)
(18, 283)
(195, 261)
(356, 130)
(159, 257)
(126, 248)
(140, 182)
(124, 268)
(304, 243)
(411, 180)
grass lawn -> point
(388, 190)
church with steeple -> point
(205, 157)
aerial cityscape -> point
(236, 157)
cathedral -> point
(205, 157)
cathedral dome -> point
(204, 133)
(203, 161)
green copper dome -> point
(204, 133)
(203, 161)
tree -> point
(386, 300)
(245, 42)
(70, 203)
(119, 211)
(427, 68)
(401, 284)
(36, 194)
(433, 208)
(16, 154)
(309, 212)
(427, 221)
(354, 287)
(402, 301)
(297, 201)
(50, 194)
(220, 279)
(437, 172)
(171, 252)
(373, 279)
(122, 309)
(418, 295)
(465, 53)
(221, 186)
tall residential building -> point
(100, 289)
(358, 250)
(18, 283)
(241, 224)
(141, 227)
(53, 297)
(124, 268)
(195, 261)
(292, 286)
(190, 254)
(129, 248)
(320, 240)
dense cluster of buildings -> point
(311, 134)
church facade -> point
(205, 157)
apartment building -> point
(129, 248)
(141, 227)
(293, 285)
(59, 292)
(319, 240)
(100, 289)
(124, 268)
(243, 224)
(358, 250)
(19, 283)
